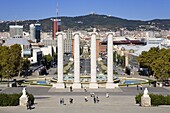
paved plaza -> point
(121, 100)
(113, 104)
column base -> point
(145, 101)
(111, 86)
(76, 85)
(59, 85)
(23, 100)
(93, 86)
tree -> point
(47, 59)
(158, 61)
(55, 58)
(24, 65)
(15, 58)
(114, 57)
(5, 64)
(146, 58)
(9, 60)
(161, 66)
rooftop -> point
(12, 41)
(144, 48)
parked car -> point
(166, 83)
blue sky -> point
(128, 9)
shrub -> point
(138, 98)
(9, 99)
(155, 99)
(168, 100)
(13, 99)
(3, 100)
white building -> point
(50, 42)
(36, 56)
(25, 45)
(35, 34)
(154, 40)
(32, 32)
(68, 42)
(16, 31)
(47, 50)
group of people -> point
(95, 98)
(71, 89)
(139, 87)
(62, 101)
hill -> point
(102, 22)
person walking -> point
(94, 99)
(85, 98)
(28, 105)
(85, 89)
(141, 87)
(137, 87)
(107, 95)
(97, 99)
(71, 101)
(61, 101)
(92, 94)
(71, 89)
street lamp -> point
(8, 75)
(85, 72)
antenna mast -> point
(57, 10)
(15, 20)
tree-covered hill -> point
(102, 22)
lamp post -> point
(8, 75)
(85, 72)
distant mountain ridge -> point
(102, 22)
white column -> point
(76, 84)
(110, 83)
(60, 84)
(93, 84)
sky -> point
(127, 9)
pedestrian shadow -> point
(32, 108)
(41, 97)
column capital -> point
(76, 33)
(93, 33)
(59, 33)
(110, 33)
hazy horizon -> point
(126, 9)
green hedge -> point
(155, 99)
(13, 99)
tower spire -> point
(55, 22)
(57, 10)
(15, 20)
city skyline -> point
(127, 9)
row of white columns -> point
(93, 83)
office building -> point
(16, 31)
(35, 32)
(68, 42)
(32, 32)
(56, 27)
